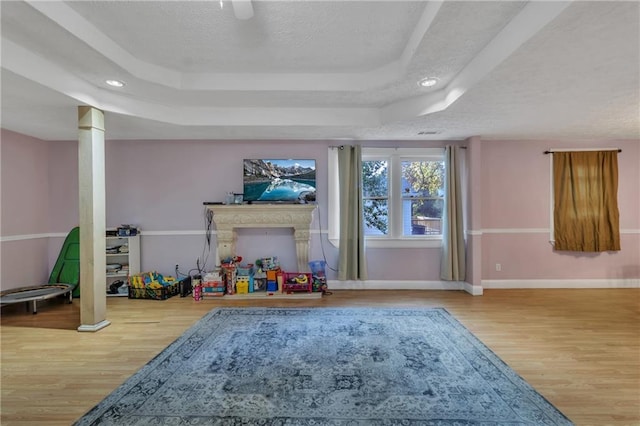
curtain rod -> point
(551, 151)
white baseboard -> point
(474, 290)
(94, 327)
(404, 285)
(572, 283)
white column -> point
(91, 177)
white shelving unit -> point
(130, 259)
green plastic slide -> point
(67, 267)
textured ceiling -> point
(306, 37)
(324, 69)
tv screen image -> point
(279, 180)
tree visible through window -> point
(403, 194)
(375, 192)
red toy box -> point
(296, 282)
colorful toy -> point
(213, 285)
(152, 285)
(298, 279)
(196, 283)
(242, 285)
(296, 282)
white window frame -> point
(395, 156)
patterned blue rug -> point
(313, 366)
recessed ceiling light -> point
(428, 82)
(115, 83)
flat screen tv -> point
(279, 181)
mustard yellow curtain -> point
(586, 216)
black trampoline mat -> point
(26, 294)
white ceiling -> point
(323, 69)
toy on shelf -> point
(246, 272)
(318, 275)
(196, 287)
(242, 284)
(272, 283)
(230, 269)
(268, 263)
(259, 280)
(299, 279)
(229, 274)
(296, 282)
(152, 285)
(213, 284)
(266, 275)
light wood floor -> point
(578, 348)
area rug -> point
(315, 366)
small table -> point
(35, 293)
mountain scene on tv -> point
(291, 181)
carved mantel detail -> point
(228, 218)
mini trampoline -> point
(34, 294)
(64, 277)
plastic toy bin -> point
(154, 293)
(151, 285)
(296, 282)
(318, 274)
(317, 267)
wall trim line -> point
(167, 233)
(515, 231)
(32, 236)
(560, 283)
(187, 232)
(530, 231)
(22, 237)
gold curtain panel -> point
(586, 216)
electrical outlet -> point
(498, 267)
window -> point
(403, 197)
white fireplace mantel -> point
(228, 218)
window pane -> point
(422, 178)
(375, 181)
(422, 216)
(376, 217)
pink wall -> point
(160, 186)
(24, 210)
(63, 194)
(531, 257)
(25, 196)
(63, 186)
(515, 214)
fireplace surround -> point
(228, 218)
